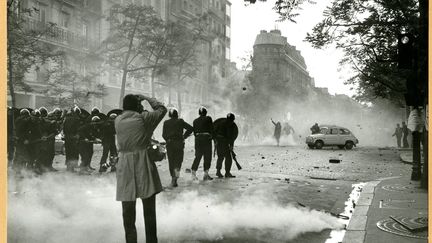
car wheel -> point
(349, 145)
(319, 144)
(311, 146)
(341, 146)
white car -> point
(331, 135)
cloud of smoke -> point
(69, 208)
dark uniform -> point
(37, 146)
(22, 151)
(203, 129)
(108, 143)
(225, 133)
(277, 131)
(10, 136)
(49, 130)
(173, 134)
(398, 134)
(315, 129)
(405, 132)
(88, 133)
(70, 129)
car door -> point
(332, 136)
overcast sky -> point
(323, 65)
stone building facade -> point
(81, 25)
(275, 60)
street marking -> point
(337, 236)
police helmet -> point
(95, 111)
(77, 110)
(231, 116)
(95, 119)
(36, 113)
(202, 111)
(25, 112)
(113, 116)
(43, 111)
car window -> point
(334, 131)
(344, 131)
(323, 130)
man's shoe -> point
(229, 175)
(219, 174)
(91, 168)
(194, 177)
(174, 182)
(102, 169)
(207, 177)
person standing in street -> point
(70, 130)
(203, 130)
(405, 132)
(398, 134)
(315, 129)
(108, 143)
(173, 134)
(225, 133)
(137, 176)
(277, 131)
(22, 148)
(89, 133)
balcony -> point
(62, 37)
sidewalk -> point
(398, 197)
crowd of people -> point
(32, 134)
(125, 136)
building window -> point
(85, 29)
(40, 11)
(65, 19)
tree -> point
(133, 37)
(286, 8)
(25, 45)
(69, 82)
(367, 30)
(183, 59)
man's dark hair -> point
(202, 111)
(173, 113)
(131, 102)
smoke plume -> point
(70, 208)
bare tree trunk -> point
(179, 102)
(123, 87)
(10, 81)
(152, 84)
(169, 92)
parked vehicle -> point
(332, 135)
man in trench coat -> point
(137, 175)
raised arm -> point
(188, 128)
(153, 118)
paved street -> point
(282, 194)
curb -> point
(356, 229)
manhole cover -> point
(400, 187)
(391, 226)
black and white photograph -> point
(231, 121)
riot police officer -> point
(173, 134)
(70, 131)
(22, 131)
(203, 129)
(108, 143)
(225, 133)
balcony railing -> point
(55, 34)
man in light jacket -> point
(137, 175)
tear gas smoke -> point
(70, 208)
